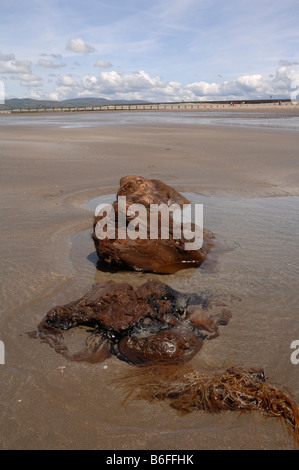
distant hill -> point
(16, 103)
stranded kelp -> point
(142, 249)
(151, 324)
(187, 390)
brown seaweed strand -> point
(230, 389)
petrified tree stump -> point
(152, 324)
(159, 255)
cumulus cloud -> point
(67, 81)
(28, 79)
(61, 93)
(111, 82)
(102, 64)
(203, 88)
(133, 86)
(15, 66)
(50, 64)
(19, 70)
(253, 86)
(140, 85)
(36, 94)
(55, 96)
(79, 46)
(67, 87)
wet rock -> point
(152, 323)
(160, 255)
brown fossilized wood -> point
(152, 255)
(151, 324)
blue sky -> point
(160, 50)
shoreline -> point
(274, 107)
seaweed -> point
(187, 389)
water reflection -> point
(99, 119)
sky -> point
(155, 50)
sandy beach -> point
(47, 258)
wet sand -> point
(47, 175)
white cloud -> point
(140, 85)
(55, 96)
(62, 93)
(6, 57)
(132, 86)
(36, 94)
(67, 81)
(50, 64)
(102, 64)
(203, 88)
(19, 70)
(54, 56)
(29, 80)
(89, 82)
(253, 86)
(79, 46)
(16, 66)
(251, 82)
(67, 88)
(116, 81)
(136, 86)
